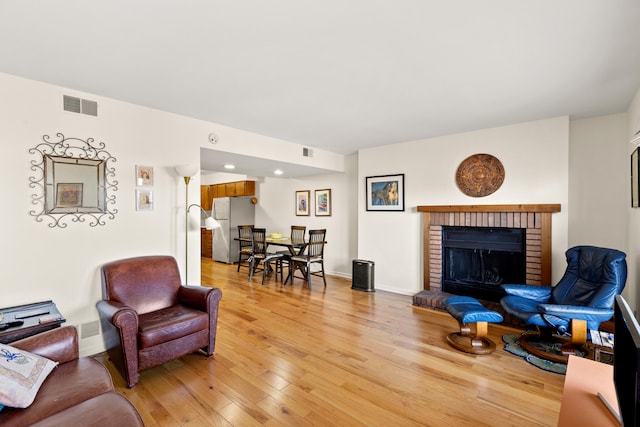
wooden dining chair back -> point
(260, 255)
(314, 255)
(297, 238)
(245, 248)
(297, 234)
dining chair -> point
(260, 255)
(244, 245)
(314, 254)
(297, 238)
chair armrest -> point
(120, 334)
(199, 297)
(118, 314)
(576, 312)
(532, 292)
(60, 344)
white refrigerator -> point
(230, 212)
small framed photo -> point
(144, 175)
(323, 202)
(144, 200)
(68, 195)
(385, 192)
(302, 202)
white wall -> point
(598, 181)
(535, 158)
(41, 263)
(631, 292)
(221, 177)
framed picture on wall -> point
(302, 202)
(323, 202)
(635, 179)
(144, 175)
(385, 192)
(144, 200)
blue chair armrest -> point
(577, 312)
(532, 292)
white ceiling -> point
(336, 74)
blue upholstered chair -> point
(578, 303)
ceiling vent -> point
(78, 105)
(307, 152)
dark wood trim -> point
(548, 208)
(545, 256)
(426, 255)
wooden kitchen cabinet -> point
(213, 192)
(233, 189)
(205, 197)
(206, 243)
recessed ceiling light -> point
(278, 172)
(229, 166)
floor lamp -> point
(187, 172)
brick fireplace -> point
(534, 219)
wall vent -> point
(307, 152)
(78, 105)
(90, 329)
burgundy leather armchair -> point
(149, 318)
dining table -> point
(295, 248)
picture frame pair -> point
(322, 203)
(144, 195)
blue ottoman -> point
(468, 311)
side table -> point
(29, 319)
(601, 346)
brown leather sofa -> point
(79, 391)
(148, 316)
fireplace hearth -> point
(477, 260)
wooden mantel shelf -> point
(544, 208)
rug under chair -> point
(512, 345)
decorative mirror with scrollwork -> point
(73, 181)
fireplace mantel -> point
(536, 219)
(545, 208)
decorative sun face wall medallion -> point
(480, 175)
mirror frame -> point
(63, 193)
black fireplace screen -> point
(477, 260)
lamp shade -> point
(211, 224)
(187, 170)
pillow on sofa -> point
(21, 375)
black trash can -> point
(362, 275)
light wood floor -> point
(337, 357)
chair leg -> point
(293, 267)
(323, 276)
(279, 264)
(251, 267)
(309, 275)
(265, 268)
(578, 337)
(468, 341)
